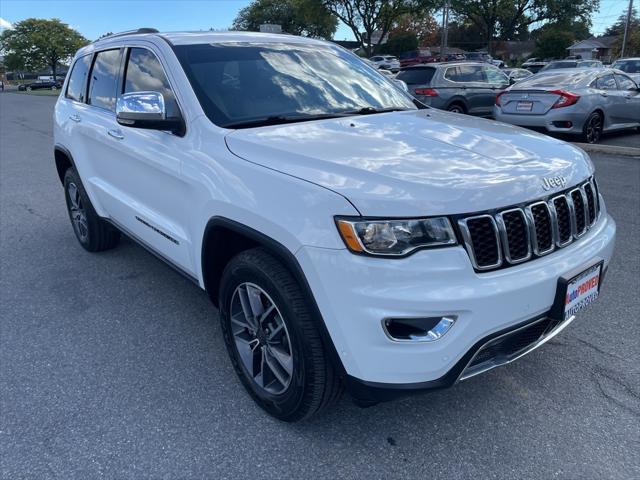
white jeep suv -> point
(350, 236)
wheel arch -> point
(224, 238)
(63, 159)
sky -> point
(93, 18)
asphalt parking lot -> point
(113, 365)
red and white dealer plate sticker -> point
(582, 291)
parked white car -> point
(349, 236)
(386, 62)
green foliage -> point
(553, 43)
(510, 19)
(36, 43)
(618, 27)
(400, 42)
(366, 17)
(299, 17)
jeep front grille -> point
(515, 235)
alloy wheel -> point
(261, 338)
(594, 129)
(77, 212)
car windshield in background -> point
(557, 65)
(247, 84)
(555, 79)
(416, 76)
(627, 66)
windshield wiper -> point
(282, 119)
(371, 110)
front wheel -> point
(592, 130)
(272, 338)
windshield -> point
(242, 82)
(628, 66)
(556, 65)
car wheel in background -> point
(456, 108)
(272, 338)
(93, 233)
(592, 130)
(29, 89)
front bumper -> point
(354, 293)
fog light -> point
(426, 329)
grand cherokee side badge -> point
(553, 182)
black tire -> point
(592, 129)
(456, 108)
(94, 234)
(314, 384)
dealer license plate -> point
(582, 290)
(524, 106)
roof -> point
(437, 64)
(594, 42)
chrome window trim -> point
(468, 243)
(502, 229)
(532, 228)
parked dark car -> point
(462, 87)
(41, 85)
(478, 56)
(415, 57)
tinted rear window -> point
(103, 81)
(416, 76)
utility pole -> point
(626, 29)
(445, 28)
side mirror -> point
(512, 80)
(146, 110)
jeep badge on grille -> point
(553, 182)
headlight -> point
(395, 237)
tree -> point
(618, 27)
(553, 43)
(36, 43)
(299, 17)
(508, 19)
(400, 42)
(366, 17)
(423, 26)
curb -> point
(609, 149)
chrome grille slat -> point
(515, 235)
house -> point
(596, 48)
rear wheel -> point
(93, 233)
(272, 339)
(456, 108)
(592, 130)
(29, 89)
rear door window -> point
(103, 84)
(606, 82)
(416, 76)
(465, 74)
(76, 87)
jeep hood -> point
(415, 163)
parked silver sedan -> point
(586, 102)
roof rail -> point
(130, 32)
